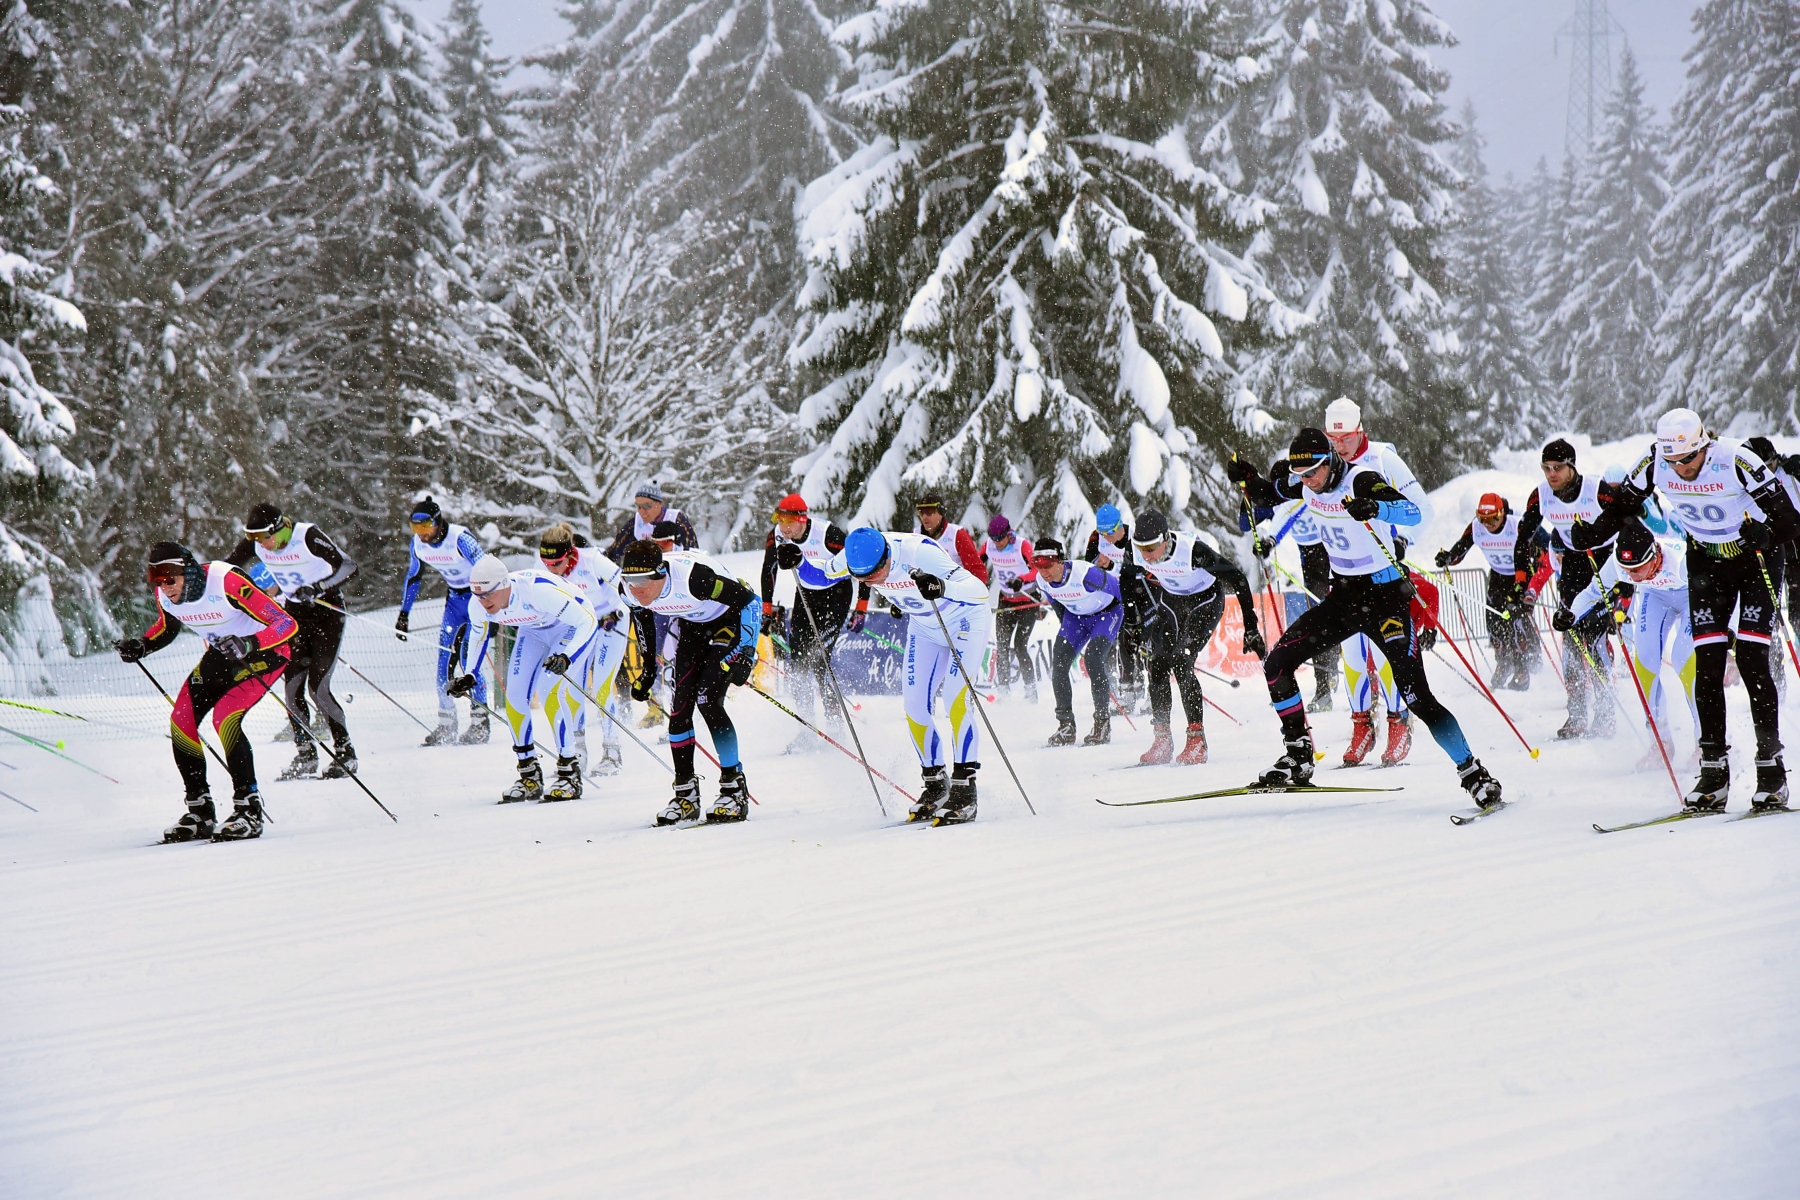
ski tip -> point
(1599, 828)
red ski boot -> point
(1362, 738)
(1399, 739)
(1194, 752)
(1161, 750)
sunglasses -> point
(162, 574)
(1685, 459)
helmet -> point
(1490, 505)
(998, 526)
(1636, 545)
(1342, 416)
(1680, 432)
(1152, 527)
(1309, 448)
(641, 560)
(488, 574)
(1107, 518)
(864, 551)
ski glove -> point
(855, 624)
(1442, 560)
(557, 664)
(1563, 621)
(1620, 498)
(1253, 642)
(1362, 508)
(234, 647)
(788, 556)
(1427, 637)
(304, 595)
(1754, 535)
(735, 668)
(461, 686)
(1239, 471)
(640, 688)
(1791, 464)
(930, 587)
(402, 625)
(132, 649)
(1155, 621)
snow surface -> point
(1328, 996)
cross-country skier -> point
(1651, 573)
(305, 565)
(1086, 598)
(1495, 532)
(720, 619)
(1738, 520)
(953, 538)
(805, 544)
(1369, 595)
(1007, 557)
(919, 577)
(566, 555)
(555, 632)
(1315, 578)
(1564, 498)
(1366, 669)
(650, 506)
(451, 551)
(1182, 601)
(1786, 469)
(1109, 548)
(247, 636)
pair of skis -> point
(1687, 814)
(1264, 789)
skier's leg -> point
(804, 666)
(1389, 618)
(199, 692)
(1062, 660)
(1163, 651)
(971, 630)
(1023, 623)
(328, 637)
(523, 666)
(1322, 625)
(1097, 654)
(1359, 672)
(923, 671)
(687, 672)
(249, 681)
(1759, 595)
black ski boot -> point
(1294, 768)
(1065, 731)
(1102, 731)
(445, 733)
(1482, 787)
(568, 782)
(477, 732)
(1712, 789)
(937, 786)
(733, 803)
(530, 784)
(959, 805)
(1321, 701)
(1572, 728)
(246, 820)
(1771, 785)
(684, 809)
(345, 764)
(196, 824)
(305, 764)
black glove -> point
(304, 594)
(461, 686)
(557, 663)
(234, 647)
(1253, 642)
(402, 625)
(930, 587)
(735, 667)
(1239, 471)
(1621, 498)
(1442, 560)
(788, 556)
(1563, 620)
(1427, 637)
(640, 688)
(1754, 535)
(131, 649)
(1261, 546)
(1791, 464)
(1362, 508)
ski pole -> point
(1123, 712)
(405, 637)
(834, 742)
(384, 695)
(1779, 607)
(831, 673)
(17, 801)
(24, 737)
(979, 707)
(1220, 678)
(55, 712)
(157, 684)
(620, 725)
(268, 687)
(1638, 684)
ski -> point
(1254, 789)
(1683, 815)
(1472, 815)
(1762, 812)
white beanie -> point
(488, 574)
(1342, 416)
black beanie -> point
(1152, 527)
(1764, 448)
(1047, 547)
(642, 560)
(1636, 545)
(427, 509)
(1559, 451)
(263, 518)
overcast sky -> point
(1507, 61)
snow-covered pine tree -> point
(1347, 136)
(1009, 288)
(1603, 327)
(476, 163)
(1491, 319)
(1730, 331)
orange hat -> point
(1490, 505)
(792, 505)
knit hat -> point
(1309, 448)
(865, 550)
(651, 490)
(665, 531)
(929, 500)
(488, 574)
(792, 505)
(1046, 548)
(427, 510)
(642, 560)
(263, 518)
(998, 526)
(1343, 415)
(1636, 545)
(1491, 504)
(1152, 527)
(1559, 451)
(1107, 518)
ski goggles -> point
(423, 525)
(162, 574)
(269, 530)
(1045, 560)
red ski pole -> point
(1638, 684)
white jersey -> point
(1671, 578)
(676, 600)
(1175, 569)
(1497, 547)
(642, 529)
(1305, 530)
(1005, 567)
(946, 538)
(914, 553)
(1717, 501)
(445, 558)
(1384, 460)
(814, 571)
(1561, 515)
(294, 565)
(595, 578)
(213, 615)
(1355, 548)
(1073, 592)
(540, 601)
(1114, 553)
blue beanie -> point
(864, 551)
(1108, 519)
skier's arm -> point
(163, 631)
(1772, 498)
(245, 596)
(242, 553)
(1315, 569)
(1230, 574)
(1525, 549)
(768, 570)
(1391, 505)
(705, 584)
(415, 575)
(1460, 548)
(1099, 580)
(342, 565)
(970, 556)
(1030, 576)
(1264, 493)
(1619, 502)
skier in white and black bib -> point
(804, 542)
(1086, 599)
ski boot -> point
(1482, 787)
(197, 824)
(1771, 786)
(959, 805)
(477, 732)
(1321, 701)
(684, 809)
(305, 764)
(1194, 752)
(1065, 731)
(733, 803)
(246, 820)
(1031, 691)
(609, 763)
(1294, 768)
(1521, 680)
(345, 764)
(1362, 738)
(653, 715)
(1572, 728)
(1399, 739)
(1102, 731)
(530, 784)
(445, 733)
(568, 782)
(1161, 750)
(937, 786)
(1712, 789)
